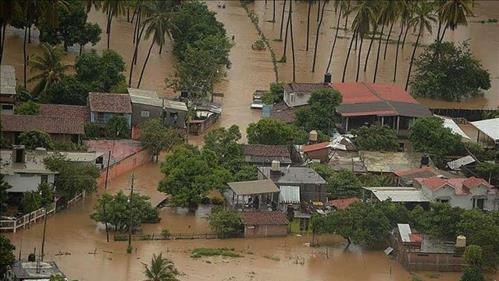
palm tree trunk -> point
(81, 48)
(318, 10)
(29, 34)
(397, 52)
(412, 58)
(308, 22)
(334, 42)
(377, 55)
(283, 58)
(292, 38)
(160, 49)
(282, 19)
(346, 59)
(443, 33)
(439, 29)
(370, 46)
(137, 42)
(109, 21)
(145, 63)
(273, 11)
(388, 39)
(25, 55)
(2, 39)
(134, 14)
(405, 35)
(128, 14)
(317, 35)
(346, 18)
(358, 60)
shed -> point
(488, 131)
(252, 194)
(318, 151)
(145, 105)
(264, 224)
(452, 125)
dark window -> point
(45, 178)
(7, 107)
(478, 203)
(443, 200)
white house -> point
(466, 193)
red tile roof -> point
(341, 204)
(266, 150)
(391, 92)
(424, 172)
(416, 237)
(316, 146)
(304, 87)
(63, 110)
(461, 186)
(264, 218)
(109, 102)
(283, 113)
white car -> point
(257, 104)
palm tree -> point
(7, 10)
(364, 18)
(392, 16)
(283, 58)
(158, 25)
(383, 16)
(308, 21)
(273, 11)
(318, 32)
(422, 20)
(160, 269)
(49, 10)
(292, 38)
(112, 8)
(342, 7)
(282, 19)
(453, 13)
(405, 9)
(378, 8)
(50, 66)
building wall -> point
(322, 155)
(125, 165)
(26, 182)
(171, 120)
(107, 116)
(313, 192)
(462, 201)
(142, 113)
(299, 99)
(254, 231)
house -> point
(381, 104)
(408, 196)
(263, 154)
(145, 105)
(488, 132)
(7, 89)
(298, 94)
(317, 151)
(64, 123)
(389, 162)
(417, 251)
(264, 224)
(341, 204)
(406, 177)
(175, 113)
(312, 185)
(205, 115)
(466, 193)
(24, 171)
(33, 270)
(105, 106)
(257, 194)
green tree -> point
(473, 255)
(246, 172)
(7, 256)
(453, 13)
(270, 131)
(101, 73)
(489, 171)
(449, 72)
(472, 273)
(4, 186)
(113, 8)
(320, 112)
(117, 128)
(223, 142)
(429, 135)
(50, 67)
(275, 93)
(160, 269)
(90, 34)
(376, 138)
(441, 221)
(225, 222)
(28, 108)
(67, 91)
(344, 184)
(119, 213)
(34, 139)
(31, 201)
(155, 137)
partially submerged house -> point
(7, 89)
(257, 194)
(488, 132)
(263, 154)
(264, 224)
(145, 105)
(175, 113)
(417, 251)
(408, 196)
(205, 115)
(104, 106)
(406, 177)
(33, 270)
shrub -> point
(258, 45)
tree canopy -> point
(34, 139)
(223, 142)
(156, 137)
(101, 73)
(28, 108)
(320, 112)
(341, 184)
(376, 138)
(225, 222)
(449, 72)
(270, 131)
(68, 90)
(7, 256)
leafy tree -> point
(160, 269)
(155, 137)
(449, 72)
(68, 90)
(46, 192)
(488, 171)
(275, 94)
(344, 184)
(376, 138)
(225, 222)
(472, 273)
(7, 256)
(223, 142)
(479, 151)
(440, 222)
(190, 174)
(320, 112)
(473, 255)
(4, 186)
(90, 34)
(429, 135)
(246, 172)
(270, 131)
(50, 67)
(119, 213)
(101, 73)
(34, 139)
(28, 108)
(117, 128)
(31, 201)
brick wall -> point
(125, 165)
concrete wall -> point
(462, 201)
(139, 112)
(254, 231)
(179, 121)
(108, 116)
(298, 100)
(322, 155)
(26, 182)
(125, 165)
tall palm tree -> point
(341, 5)
(273, 11)
(50, 66)
(383, 16)
(158, 25)
(318, 32)
(422, 20)
(453, 13)
(365, 17)
(378, 10)
(160, 269)
(308, 22)
(49, 10)
(282, 19)
(112, 8)
(392, 17)
(405, 9)
(8, 8)
(283, 58)
(292, 38)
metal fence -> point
(171, 236)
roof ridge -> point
(374, 92)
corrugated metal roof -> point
(289, 194)
(490, 127)
(7, 80)
(405, 232)
(253, 187)
(449, 123)
(398, 194)
(178, 105)
(145, 97)
(458, 163)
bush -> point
(225, 222)
(28, 108)
(208, 252)
(258, 45)
(473, 255)
(376, 138)
(165, 233)
(34, 139)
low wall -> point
(125, 165)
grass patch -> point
(274, 258)
(209, 252)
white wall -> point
(462, 201)
(26, 182)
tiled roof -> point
(341, 204)
(316, 146)
(109, 102)
(266, 150)
(283, 113)
(424, 172)
(63, 110)
(461, 186)
(264, 218)
(304, 87)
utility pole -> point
(44, 228)
(105, 189)
(130, 223)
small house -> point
(257, 194)
(145, 105)
(406, 177)
(7, 89)
(298, 94)
(105, 106)
(205, 115)
(33, 270)
(263, 154)
(264, 224)
(175, 113)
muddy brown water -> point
(79, 245)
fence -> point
(171, 236)
(11, 225)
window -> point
(292, 97)
(442, 200)
(174, 117)
(7, 107)
(144, 113)
(45, 178)
(100, 117)
(478, 203)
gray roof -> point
(293, 175)
(490, 127)
(253, 187)
(178, 105)
(398, 194)
(458, 163)
(376, 161)
(7, 80)
(35, 270)
(139, 96)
